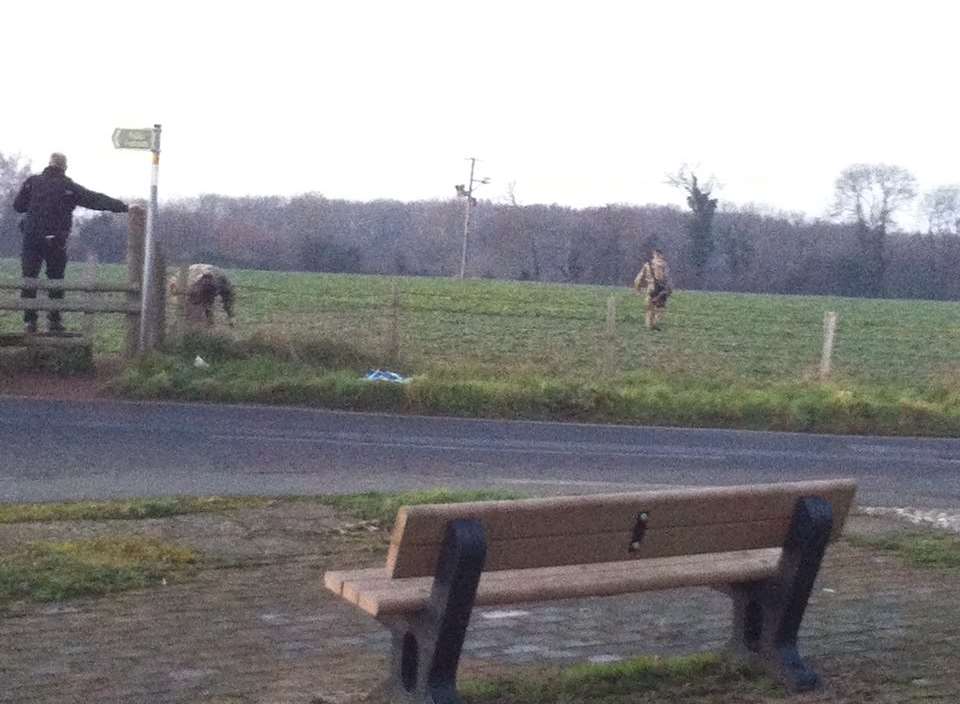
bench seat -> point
(374, 591)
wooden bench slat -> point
(377, 577)
(334, 579)
(611, 547)
(374, 591)
(608, 512)
(597, 528)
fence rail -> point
(129, 304)
(63, 285)
(73, 306)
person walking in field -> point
(47, 201)
(654, 281)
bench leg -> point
(427, 645)
(767, 614)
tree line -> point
(710, 245)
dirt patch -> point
(256, 626)
(70, 387)
(282, 530)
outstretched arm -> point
(98, 201)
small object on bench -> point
(762, 544)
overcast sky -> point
(579, 103)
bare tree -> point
(941, 209)
(13, 172)
(702, 209)
(524, 232)
(869, 196)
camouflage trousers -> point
(655, 310)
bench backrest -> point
(571, 530)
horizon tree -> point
(869, 196)
(700, 223)
(13, 172)
(941, 209)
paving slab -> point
(257, 626)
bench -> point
(761, 544)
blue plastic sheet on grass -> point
(384, 375)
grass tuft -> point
(929, 550)
(382, 507)
(704, 678)
(53, 571)
(133, 509)
(298, 349)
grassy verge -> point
(496, 349)
(133, 509)
(313, 374)
(925, 550)
(699, 678)
(52, 571)
(382, 508)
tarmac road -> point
(56, 450)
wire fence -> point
(719, 336)
(593, 332)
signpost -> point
(133, 138)
(146, 138)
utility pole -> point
(467, 193)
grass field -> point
(722, 359)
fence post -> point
(136, 226)
(829, 330)
(610, 358)
(393, 351)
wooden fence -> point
(90, 303)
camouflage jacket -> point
(653, 272)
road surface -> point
(56, 450)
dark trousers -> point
(37, 251)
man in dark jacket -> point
(48, 200)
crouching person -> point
(205, 283)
